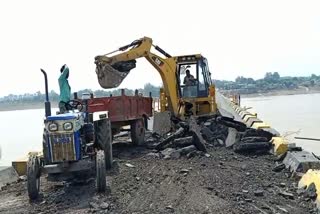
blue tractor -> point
(75, 143)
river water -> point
(292, 115)
(21, 131)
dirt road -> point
(141, 182)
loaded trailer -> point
(123, 111)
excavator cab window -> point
(194, 78)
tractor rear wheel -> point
(103, 135)
(33, 177)
(100, 171)
(138, 131)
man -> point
(189, 79)
(65, 90)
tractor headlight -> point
(53, 127)
(67, 126)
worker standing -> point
(65, 89)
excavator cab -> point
(194, 77)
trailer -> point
(124, 110)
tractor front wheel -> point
(100, 171)
(33, 177)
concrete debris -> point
(104, 205)
(170, 153)
(183, 142)
(286, 194)
(170, 208)
(153, 155)
(301, 161)
(230, 122)
(207, 155)
(311, 191)
(282, 209)
(129, 165)
(256, 147)
(198, 140)
(207, 134)
(186, 150)
(232, 137)
(184, 171)
(258, 193)
(279, 167)
(170, 138)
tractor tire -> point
(138, 131)
(33, 177)
(100, 171)
(103, 137)
(45, 147)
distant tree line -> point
(270, 82)
(54, 96)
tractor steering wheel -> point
(73, 104)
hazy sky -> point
(245, 38)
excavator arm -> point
(112, 70)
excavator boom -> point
(112, 69)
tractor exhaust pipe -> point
(47, 104)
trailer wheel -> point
(104, 140)
(100, 171)
(33, 177)
(138, 132)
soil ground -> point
(225, 182)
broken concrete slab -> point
(301, 161)
(163, 124)
(253, 120)
(232, 137)
(253, 139)
(257, 133)
(169, 139)
(274, 132)
(186, 150)
(198, 140)
(170, 153)
(229, 122)
(8, 175)
(255, 147)
(183, 142)
(207, 134)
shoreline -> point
(40, 105)
(24, 106)
(280, 93)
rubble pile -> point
(199, 133)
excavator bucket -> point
(112, 75)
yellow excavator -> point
(187, 84)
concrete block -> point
(252, 120)
(7, 175)
(280, 145)
(246, 117)
(301, 161)
(272, 131)
(260, 125)
(311, 176)
(243, 113)
(231, 138)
